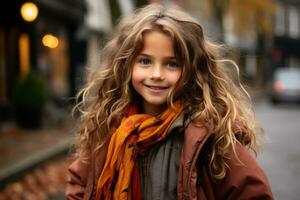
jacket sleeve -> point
(245, 179)
(77, 172)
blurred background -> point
(46, 46)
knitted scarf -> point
(135, 135)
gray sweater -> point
(159, 168)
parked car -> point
(285, 85)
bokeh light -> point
(50, 41)
(29, 11)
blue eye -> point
(144, 61)
(172, 64)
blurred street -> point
(46, 48)
(33, 163)
(281, 155)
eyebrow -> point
(167, 57)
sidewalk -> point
(23, 150)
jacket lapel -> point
(194, 139)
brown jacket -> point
(242, 181)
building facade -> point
(286, 45)
(51, 45)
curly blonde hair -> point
(210, 95)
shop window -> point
(24, 52)
(53, 62)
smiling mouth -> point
(153, 87)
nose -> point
(157, 72)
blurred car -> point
(286, 85)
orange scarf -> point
(136, 134)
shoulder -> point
(77, 179)
(80, 169)
(245, 179)
(82, 175)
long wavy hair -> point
(209, 94)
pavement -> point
(34, 156)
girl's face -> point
(155, 71)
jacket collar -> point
(195, 136)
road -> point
(281, 154)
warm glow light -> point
(50, 41)
(24, 53)
(29, 11)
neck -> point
(153, 109)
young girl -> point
(163, 120)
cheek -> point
(137, 76)
(175, 80)
(176, 77)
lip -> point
(156, 88)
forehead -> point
(158, 42)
